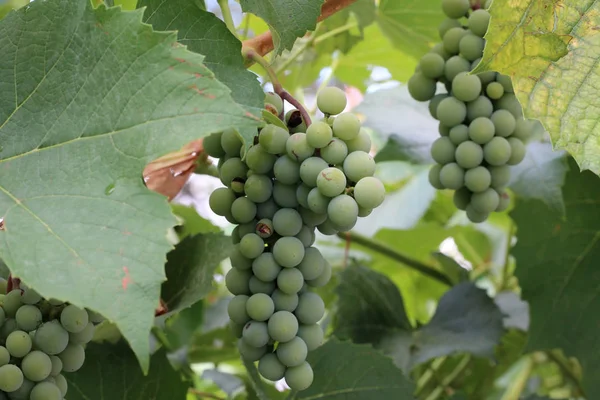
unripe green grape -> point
(231, 142)
(358, 165)
(238, 260)
(312, 335)
(46, 391)
(331, 182)
(275, 100)
(236, 309)
(451, 111)
(286, 170)
(220, 200)
(294, 121)
(442, 150)
(73, 318)
(299, 377)
(420, 88)
(265, 268)
(434, 177)
(4, 356)
(360, 143)
(284, 301)
(310, 308)
(36, 366)
(212, 145)
(327, 228)
(293, 352)
(448, 24)
(272, 138)
(471, 47)
(310, 170)
(435, 101)
(285, 195)
(11, 378)
(481, 130)
(494, 90)
(29, 296)
(83, 337)
(251, 245)
(497, 151)
(319, 134)
(267, 209)
(236, 281)
(486, 201)
(504, 122)
(287, 222)
(306, 236)
(9, 326)
(454, 66)
(504, 202)
(331, 100)
(469, 154)
(271, 368)
(311, 218)
(476, 216)
(258, 188)
(56, 366)
(288, 252)
(231, 169)
(517, 151)
(259, 160)
(61, 383)
(500, 176)
(510, 102)
(256, 334)
(478, 179)
(283, 326)
(459, 134)
(312, 264)
(28, 317)
(506, 83)
(22, 393)
(257, 286)
(346, 126)
(290, 280)
(342, 211)
(12, 302)
(369, 192)
(485, 77)
(302, 192)
(236, 329)
(18, 343)
(51, 338)
(455, 8)
(432, 65)
(297, 147)
(452, 39)
(438, 48)
(364, 212)
(462, 198)
(249, 352)
(452, 176)
(335, 152)
(317, 202)
(466, 87)
(260, 307)
(523, 129)
(323, 279)
(443, 129)
(237, 185)
(480, 107)
(479, 21)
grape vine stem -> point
(394, 254)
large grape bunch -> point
(39, 341)
(481, 125)
(289, 183)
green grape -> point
(312, 264)
(259, 160)
(265, 268)
(462, 198)
(420, 88)
(238, 260)
(12, 302)
(23, 392)
(358, 165)
(474, 215)
(480, 107)
(485, 77)
(481, 130)
(236, 329)
(504, 122)
(471, 47)
(448, 24)
(523, 129)
(497, 151)
(319, 134)
(323, 279)
(51, 338)
(327, 228)
(258, 286)
(360, 143)
(258, 188)
(37, 366)
(517, 151)
(73, 318)
(283, 326)
(442, 150)
(452, 39)
(454, 66)
(469, 154)
(294, 121)
(479, 21)
(369, 192)
(248, 227)
(342, 211)
(231, 142)
(478, 179)
(56, 366)
(455, 8)
(494, 90)
(231, 169)
(271, 368)
(290, 280)
(312, 335)
(264, 228)
(72, 357)
(256, 334)
(236, 309)
(439, 49)
(292, 353)
(285, 195)
(459, 134)
(267, 209)
(9, 326)
(272, 138)
(46, 391)
(286, 170)
(335, 152)
(500, 176)
(61, 383)
(331, 182)
(95, 317)
(243, 210)
(18, 343)
(212, 145)
(443, 129)
(434, 177)
(509, 102)
(311, 218)
(486, 201)
(29, 296)
(299, 377)
(220, 201)
(504, 202)
(284, 301)
(287, 222)
(346, 126)
(236, 281)
(260, 307)
(433, 104)
(288, 252)
(275, 100)
(331, 100)
(11, 378)
(451, 111)
(28, 317)
(237, 185)
(297, 147)
(4, 356)
(506, 83)
(302, 192)
(251, 245)
(85, 336)
(432, 65)
(250, 352)
(452, 176)
(466, 87)
(310, 308)
(306, 236)
(310, 170)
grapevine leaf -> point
(287, 19)
(113, 370)
(557, 268)
(551, 50)
(6, 7)
(202, 32)
(354, 372)
(101, 94)
(191, 222)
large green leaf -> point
(287, 19)
(6, 7)
(202, 32)
(557, 267)
(551, 50)
(100, 95)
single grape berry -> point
(299, 377)
(455, 8)
(319, 134)
(331, 100)
(73, 318)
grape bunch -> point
(481, 125)
(290, 182)
(40, 340)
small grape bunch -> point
(289, 183)
(482, 128)
(39, 341)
